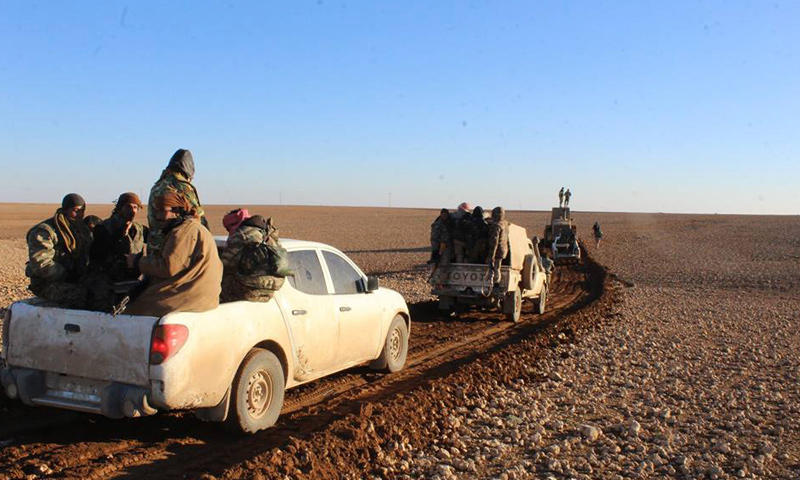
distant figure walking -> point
(561, 197)
(598, 234)
(567, 195)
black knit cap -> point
(256, 221)
(72, 200)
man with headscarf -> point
(176, 178)
(114, 238)
(248, 274)
(233, 219)
(58, 254)
(186, 274)
(561, 197)
(498, 243)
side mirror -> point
(372, 283)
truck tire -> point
(395, 348)
(527, 272)
(257, 392)
(512, 306)
(541, 304)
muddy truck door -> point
(65, 358)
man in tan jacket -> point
(186, 275)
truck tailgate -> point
(86, 344)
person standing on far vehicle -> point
(561, 197)
(477, 236)
(186, 275)
(440, 237)
(58, 255)
(176, 178)
(459, 225)
(567, 196)
(498, 243)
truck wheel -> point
(257, 392)
(542, 303)
(395, 348)
(512, 306)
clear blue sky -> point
(673, 106)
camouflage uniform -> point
(498, 242)
(561, 197)
(567, 196)
(258, 284)
(108, 263)
(441, 241)
(176, 178)
(55, 273)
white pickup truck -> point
(229, 364)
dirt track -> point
(53, 443)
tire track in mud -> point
(177, 444)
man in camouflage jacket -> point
(176, 178)
(251, 283)
(58, 255)
(498, 242)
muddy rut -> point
(324, 430)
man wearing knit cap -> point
(114, 238)
(58, 255)
(186, 274)
(176, 178)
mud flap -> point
(218, 413)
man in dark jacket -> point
(176, 178)
(58, 254)
(441, 238)
(114, 239)
(477, 236)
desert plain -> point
(671, 351)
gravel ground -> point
(695, 375)
(690, 371)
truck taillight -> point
(167, 341)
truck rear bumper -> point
(47, 389)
